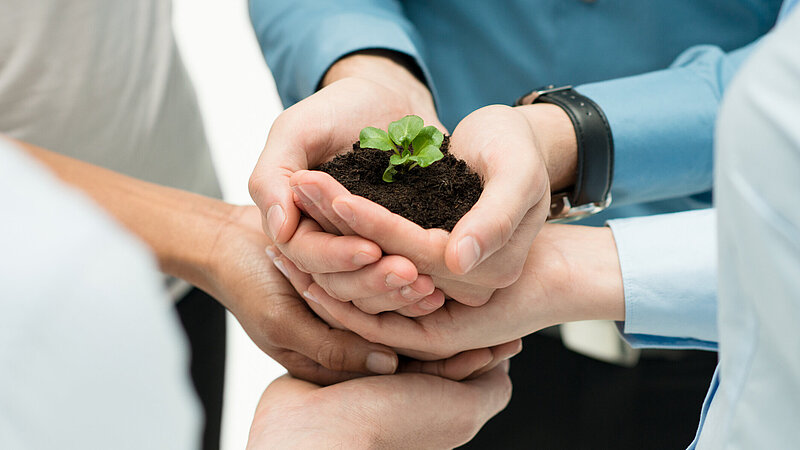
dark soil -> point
(436, 196)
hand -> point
(500, 143)
(572, 273)
(360, 90)
(243, 278)
(397, 411)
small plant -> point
(412, 144)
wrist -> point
(589, 279)
(392, 70)
(556, 140)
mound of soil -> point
(436, 196)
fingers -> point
(489, 225)
(515, 181)
(303, 368)
(500, 353)
(493, 388)
(316, 190)
(269, 182)
(395, 330)
(423, 307)
(314, 251)
(455, 368)
(389, 274)
(393, 233)
(334, 349)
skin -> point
(487, 248)
(368, 413)
(219, 248)
(572, 273)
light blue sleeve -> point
(669, 267)
(663, 124)
(300, 39)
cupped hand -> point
(397, 411)
(571, 273)
(277, 319)
(312, 132)
(488, 246)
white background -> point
(239, 102)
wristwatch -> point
(592, 190)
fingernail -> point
(303, 199)
(362, 259)
(344, 211)
(395, 281)
(469, 253)
(270, 251)
(381, 363)
(275, 219)
(308, 295)
(409, 293)
(310, 191)
(279, 264)
(427, 306)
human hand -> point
(396, 411)
(242, 277)
(500, 143)
(572, 273)
(360, 90)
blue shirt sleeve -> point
(663, 124)
(669, 265)
(301, 39)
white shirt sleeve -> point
(669, 277)
(91, 356)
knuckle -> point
(332, 356)
(330, 286)
(477, 297)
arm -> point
(220, 249)
(572, 273)
(663, 122)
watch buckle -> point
(531, 97)
(562, 211)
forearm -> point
(180, 227)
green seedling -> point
(412, 144)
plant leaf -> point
(389, 173)
(429, 135)
(376, 138)
(427, 156)
(396, 160)
(403, 131)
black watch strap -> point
(595, 166)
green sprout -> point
(411, 144)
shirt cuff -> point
(668, 265)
